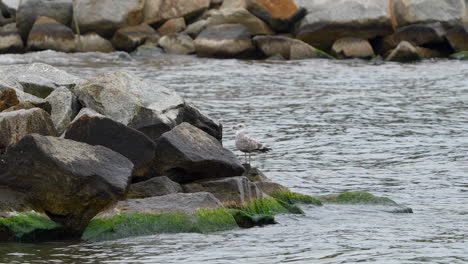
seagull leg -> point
(249, 158)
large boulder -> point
(187, 153)
(404, 52)
(92, 42)
(157, 186)
(48, 34)
(225, 41)
(174, 25)
(280, 15)
(407, 12)
(352, 48)
(328, 21)
(10, 40)
(240, 16)
(8, 98)
(64, 106)
(30, 10)
(106, 16)
(150, 108)
(13, 201)
(96, 129)
(17, 124)
(130, 37)
(156, 11)
(70, 181)
(287, 48)
(177, 44)
(458, 37)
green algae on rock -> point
(357, 198)
(462, 55)
(29, 226)
(248, 220)
(264, 206)
(292, 198)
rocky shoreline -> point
(396, 30)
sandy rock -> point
(240, 16)
(10, 40)
(177, 44)
(8, 98)
(49, 34)
(352, 48)
(174, 25)
(160, 10)
(92, 42)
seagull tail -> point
(264, 149)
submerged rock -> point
(68, 180)
(157, 186)
(224, 41)
(404, 52)
(352, 48)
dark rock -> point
(70, 181)
(417, 35)
(458, 37)
(157, 186)
(48, 34)
(130, 37)
(8, 99)
(280, 15)
(254, 174)
(96, 129)
(156, 11)
(187, 153)
(177, 44)
(225, 41)
(404, 52)
(352, 48)
(247, 220)
(10, 40)
(12, 201)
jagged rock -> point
(70, 181)
(160, 10)
(224, 41)
(172, 203)
(174, 25)
(8, 99)
(64, 105)
(30, 10)
(187, 153)
(288, 48)
(157, 186)
(458, 37)
(49, 34)
(328, 21)
(92, 42)
(417, 35)
(195, 28)
(106, 16)
(280, 15)
(239, 16)
(150, 108)
(177, 44)
(404, 52)
(10, 40)
(130, 37)
(352, 48)
(96, 129)
(407, 12)
(18, 124)
(230, 191)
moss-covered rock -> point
(357, 198)
(247, 220)
(28, 227)
(264, 206)
(292, 198)
(462, 55)
(322, 54)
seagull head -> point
(239, 127)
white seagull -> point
(247, 144)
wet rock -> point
(404, 52)
(280, 15)
(462, 55)
(29, 227)
(70, 181)
(417, 35)
(172, 203)
(240, 16)
(96, 129)
(225, 41)
(130, 37)
(106, 16)
(157, 186)
(18, 124)
(328, 21)
(174, 25)
(431, 53)
(287, 48)
(8, 99)
(148, 50)
(12, 201)
(187, 153)
(161, 10)
(49, 34)
(64, 105)
(352, 48)
(233, 190)
(177, 44)
(10, 40)
(195, 28)
(254, 174)
(407, 12)
(458, 37)
(150, 108)
(269, 187)
(30, 10)
(92, 42)
(248, 220)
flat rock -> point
(157, 186)
(160, 10)
(239, 16)
(130, 37)
(352, 48)
(187, 153)
(10, 40)
(177, 43)
(288, 48)
(70, 181)
(18, 124)
(64, 106)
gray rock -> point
(172, 203)
(225, 41)
(160, 10)
(187, 153)
(328, 21)
(404, 52)
(148, 50)
(64, 106)
(240, 16)
(130, 37)
(30, 10)
(345, 48)
(288, 48)
(10, 40)
(68, 180)
(177, 44)
(17, 124)
(447, 12)
(195, 28)
(174, 25)
(157, 186)
(106, 16)
(254, 174)
(92, 42)
(150, 108)
(48, 34)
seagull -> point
(247, 144)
